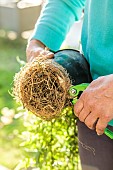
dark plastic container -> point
(76, 65)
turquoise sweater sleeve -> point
(55, 21)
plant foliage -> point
(49, 145)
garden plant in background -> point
(46, 145)
(49, 145)
(10, 126)
(42, 87)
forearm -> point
(56, 20)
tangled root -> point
(42, 87)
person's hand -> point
(36, 48)
(95, 105)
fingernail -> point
(50, 53)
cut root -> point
(42, 87)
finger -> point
(32, 55)
(78, 107)
(41, 54)
(50, 55)
(91, 120)
(30, 59)
(83, 114)
(100, 126)
(46, 54)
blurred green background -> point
(27, 142)
(9, 142)
(14, 23)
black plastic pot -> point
(76, 65)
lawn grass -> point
(9, 142)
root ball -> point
(42, 87)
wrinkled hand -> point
(36, 48)
(95, 105)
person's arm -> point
(56, 20)
(53, 25)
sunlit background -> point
(17, 20)
(17, 17)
